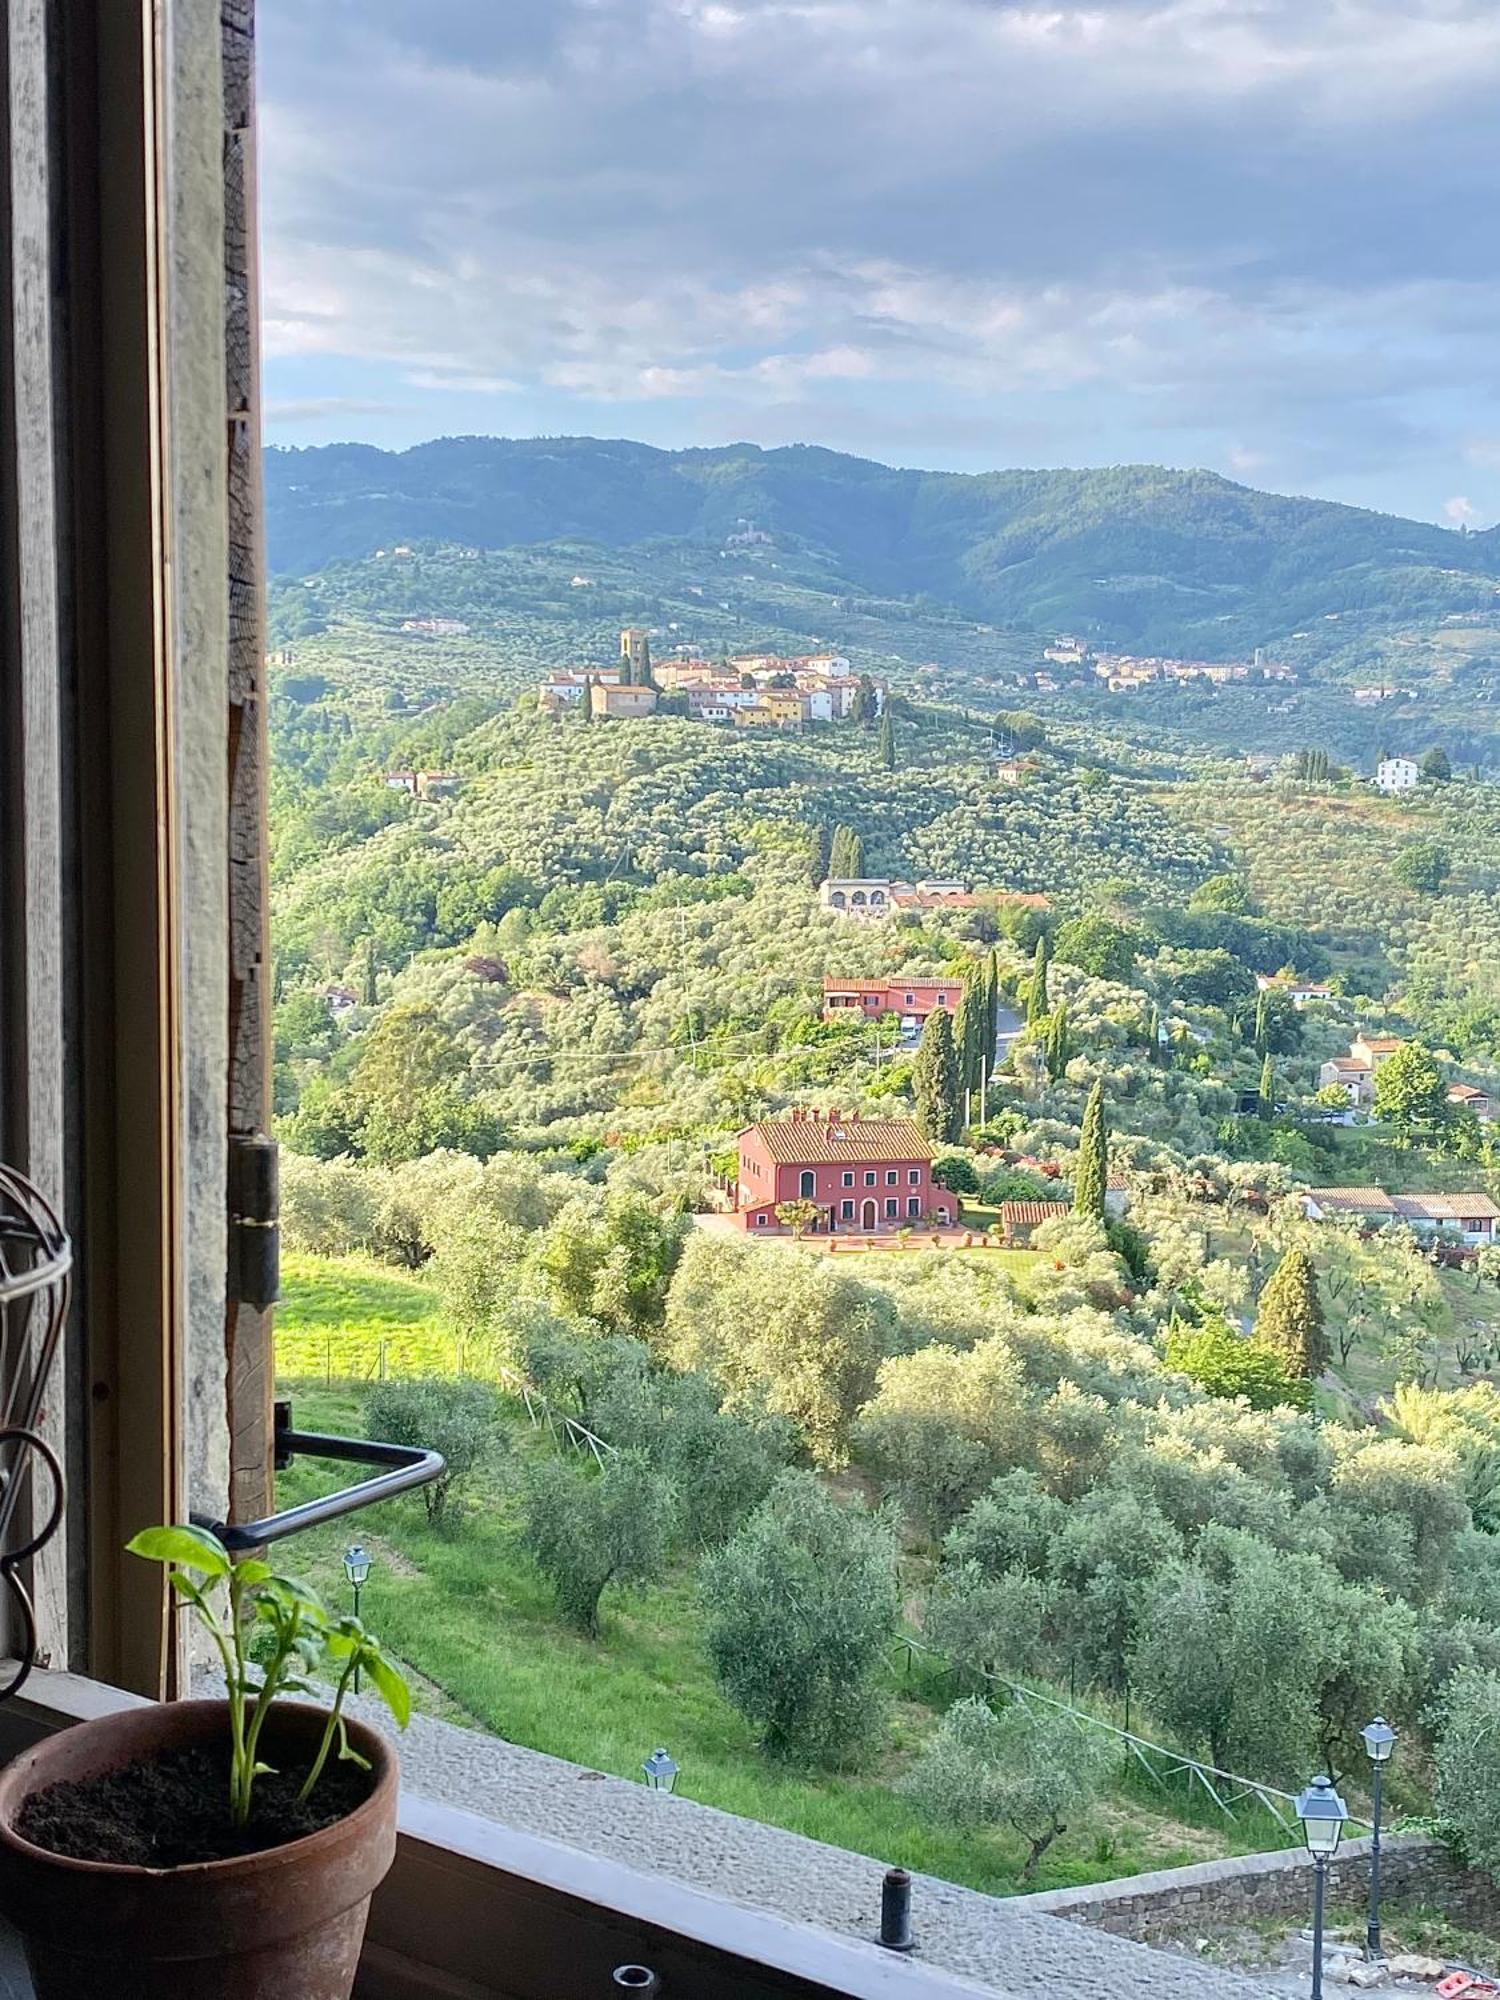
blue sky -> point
(1256, 235)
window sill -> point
(474, 1910)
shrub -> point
(800, 1606)
(1468, 1766)
(454, 1417)
(955, 1171)
(1225, 1363)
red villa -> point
(865, 1174)
(870, 999)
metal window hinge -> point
(254, 1276)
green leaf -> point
(194, 1548)
(393, 1689)
(292, 1590)
(251, 1572)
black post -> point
(1320, 1867)
(895, 1911)
(1372, 1929)
(357, 1588)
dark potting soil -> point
(175, 1809)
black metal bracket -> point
(405, 1466)
(254, 1276)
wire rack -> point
(36, 1259)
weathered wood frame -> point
(118, 546)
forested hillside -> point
(1185, 562)
(1117, 1400)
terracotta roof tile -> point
(1029, 1213)
(807, 1142)
(1446, 1207)
(1368, 1200)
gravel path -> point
(1023, 1957)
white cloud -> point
(1461, 511)
(1200, 220)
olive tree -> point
(800, 1606)
(781, 1332)
(587, 1527)
(1028, 1769)
(455, 1417)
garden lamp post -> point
(661, 1771)
(357, 1569)
(1322, 1813)
(1379, 1741)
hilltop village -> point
(749, 691)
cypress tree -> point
(1265, 1097)
(1260, 1025)
(1059, 1044)
(887, 741)
(644, 677)
(935, 1081)
(588, 699)
(968, 1032)
(1093, 1158)
(1290, 1318)
(1153, 1034)
(372, 995)
(1036, 996)
(818, 854)
(846, 856)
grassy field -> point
(463, 1606)
(350, 1318)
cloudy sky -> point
(1257, 235)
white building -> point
(1300, 992)
(1473, 1217)
(1397, 774)
(874, 898)
(866, 897)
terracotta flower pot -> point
(284, 1924)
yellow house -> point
(785, 705)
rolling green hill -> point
(1183, 562)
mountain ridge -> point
(1136, 555)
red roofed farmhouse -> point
(869, 999)
(865, 1174)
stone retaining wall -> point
(1219, 1894)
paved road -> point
(1008, 1024)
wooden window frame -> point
(133, 1044)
